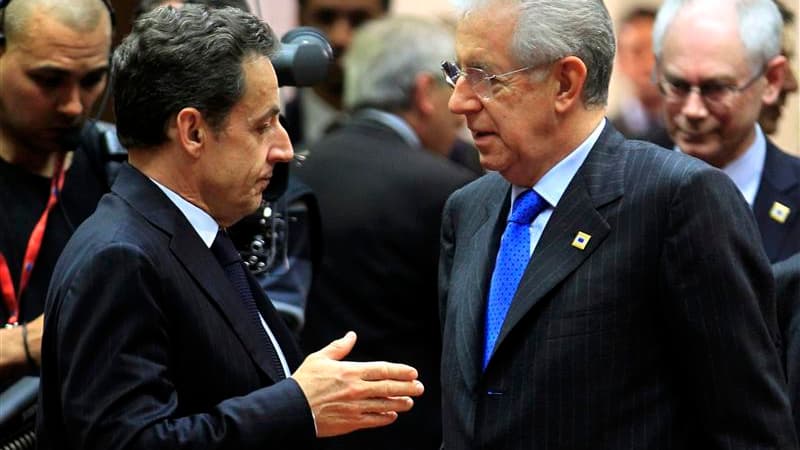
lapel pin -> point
(779, 212)
(581, 239)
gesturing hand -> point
(347, 396)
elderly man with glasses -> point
(714, 89)
(595, 292)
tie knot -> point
(526, 207)
(224, 250)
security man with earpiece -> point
(54, 63)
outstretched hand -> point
(347, 396)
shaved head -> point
(79, 15)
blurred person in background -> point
(771, 112)
(382, 178)
(717, 65)
(640, 115)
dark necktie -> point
(512, 258)
(225, 252)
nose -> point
(694, 108)
(340, 32)
(281, 148)
(463, 100)
(70, 102)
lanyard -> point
(32, 251)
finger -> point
(387, 404)
(339, 348)
(377, 370)
(391, 388)
(377, 419)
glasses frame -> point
(668, 90)
(475, 77)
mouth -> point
(482, 137)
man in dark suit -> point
(787, 288)
(628, 303)
(155, 335)
(382, 179)
(719, 124)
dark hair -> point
(385, 3)
(178, 58)
(148, 5)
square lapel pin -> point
(779, 212)
(581, 240)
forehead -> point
(374, 6)
(261, 89)
(483, 37)
(719, 54)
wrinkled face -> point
(339, 19)
(635, 56)
(715, 133)
(51, 78)
(511, 129)
(238, 163)
(771, 113)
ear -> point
(570, 74)
(424, 83)
(775, 73)
(190, 130)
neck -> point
(37, 162)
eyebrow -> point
(272, 112)
(60, 71)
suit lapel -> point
(484, 245)
(197, 259)
(598, 182)
(777, 183)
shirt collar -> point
(746, 170)
(393, 121)
(554, 183)
(205, 226)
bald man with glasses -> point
(714, 89)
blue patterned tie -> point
(510, 265)
(231, 262)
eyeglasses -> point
(713, 93)
(479, 81)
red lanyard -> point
(32, 251)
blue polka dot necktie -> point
(510, 265)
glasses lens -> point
(479, 82)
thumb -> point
(339, 348)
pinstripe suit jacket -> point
(660, 334)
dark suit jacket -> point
(660, 334)
(787, 284)
(147, 345)
(381, 201)
(780, 182)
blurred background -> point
(282, 16)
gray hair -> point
(548, 30)
(178, 58)
(385, 57)
(761, 20)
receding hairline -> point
(78, 15)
